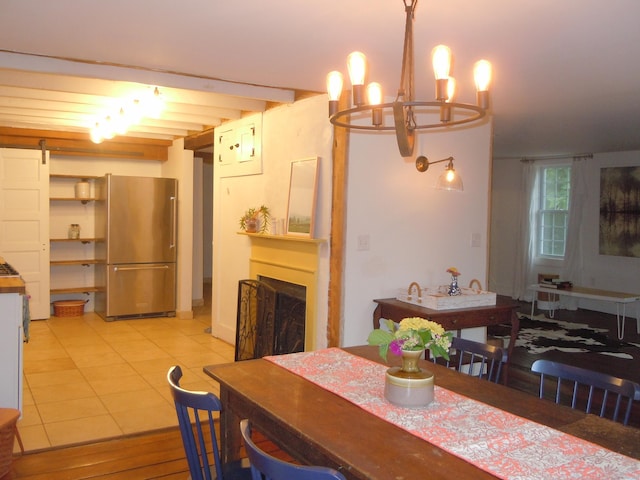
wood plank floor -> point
(160, 455)
(155, 455)
(146, 456)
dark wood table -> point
(318, 427)
(503, 312)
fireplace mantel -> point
(283, 238)
(293, 259)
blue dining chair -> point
(203, 464)
(475, 358)
(621, 391)
(266, 467)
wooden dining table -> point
(318, 427)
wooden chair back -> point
(199, 438)
(589, 388)
(266, 467)
(475, 358)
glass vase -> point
(454, 289)
(251, 225)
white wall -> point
(197, 199)
(207, 214)
(415, 231)
(600, 271)
(506, 196)
(180, 165)
(291, 132)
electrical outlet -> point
(476, 239)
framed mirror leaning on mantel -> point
(302, 197)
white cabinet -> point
(237, 147)
(11, 350)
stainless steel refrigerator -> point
(136, 231)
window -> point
(555, 185)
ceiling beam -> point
(199, 141)
(77, 144)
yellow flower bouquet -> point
(412, 333)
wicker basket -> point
(8, 419)
(68, 308)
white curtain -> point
(525, 247)
(572, 266)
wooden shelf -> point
(72, 199)
(82, 240)
(87, 290)
(82, 177)
(75, 262)
(60, 198)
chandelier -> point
(116, 119)
(407, 114)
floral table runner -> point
(499, 442)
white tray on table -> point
(436, 298)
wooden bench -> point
(619, 298)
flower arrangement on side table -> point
(411, 334)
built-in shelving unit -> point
(72, 260)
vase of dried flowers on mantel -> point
(410, 385)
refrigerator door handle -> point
(174, 214)
(145, 267)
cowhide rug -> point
(540, 334)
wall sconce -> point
(448, 180)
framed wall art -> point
(302, 197)
(620, 211)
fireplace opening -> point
(271, 318)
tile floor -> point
(88, 379)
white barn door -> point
(24, 222)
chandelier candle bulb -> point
(334, 89)
(374, 94)
(445, 109)
(482, 78)
(441, 60)
(357, 65)
(482, 75)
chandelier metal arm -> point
(404, 127)
(405, 91)
(474, 113)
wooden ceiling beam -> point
(78, 144)
(199, 141)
